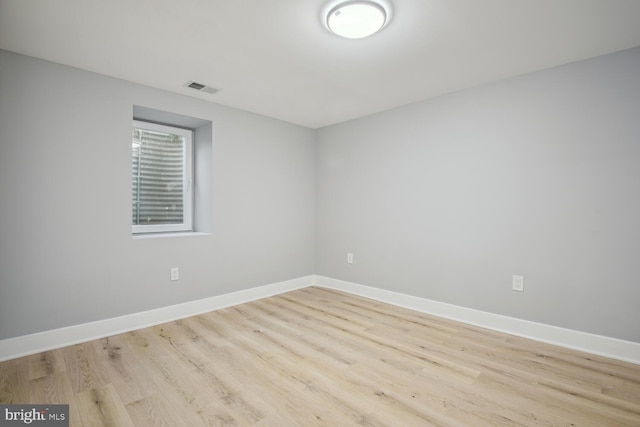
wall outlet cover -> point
(517, 283)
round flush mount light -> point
(357, 19)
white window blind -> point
(161, 178)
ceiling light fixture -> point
(357, 19)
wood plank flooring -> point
(318, 357)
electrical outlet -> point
(349, 258)
(175, 273)
(517, 283)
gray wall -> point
(537, 176)
(444, 199)
(67, 256)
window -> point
(161, 178)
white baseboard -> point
(596, 344)
(42, 341)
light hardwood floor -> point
(318, 357)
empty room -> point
(320, 213)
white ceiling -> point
(275, 57)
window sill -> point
(143, 236)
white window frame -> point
(187, 181)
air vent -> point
(200, 87)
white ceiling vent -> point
(200, 87)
